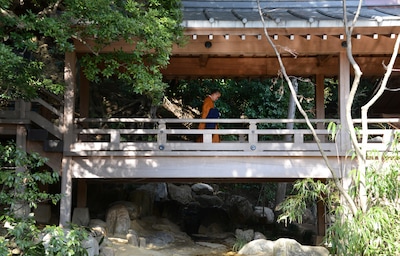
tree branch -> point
(301, 110)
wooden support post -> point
(21, 142)
(320, 102)
(69, 137)
(66, 191)
(321, 223)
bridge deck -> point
(167, 148)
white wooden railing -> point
(179, 137)
(253, 137)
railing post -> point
(253, 137)
(161, 135)
(115, 139)
(298, 138)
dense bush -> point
(20, 176)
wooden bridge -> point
(167, 148)
(219, 45)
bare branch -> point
(393, 69)
(301, 110)
(51, 9)
(86, 44)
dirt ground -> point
(121, 248)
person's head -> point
(215, 94)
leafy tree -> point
(20, 176)
(366, 216)
(34, 35)
(255, 98)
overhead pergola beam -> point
(244, 67)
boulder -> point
(143, 200)
(266, 213)
(281, 247)
(159, 239)
(81, 216)
(107, 251)
(290, 247)
(258, 247)
(133, 209)
(202, 189)
(181, 194)
(259, 235)
(91, 245)
(118, 220)
(209, 200)
(244, 235)
(239, 208)
(159, 190)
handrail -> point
(166, 136)
(49, 107)
(244, 136)
(199, 120)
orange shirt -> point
(207, 105)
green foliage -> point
(251, 98)
(64, 242)
(35, 35)
(374, 232)
(306, 192)
(239, 243)
(20, 176)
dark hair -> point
(215, 91)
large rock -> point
(159, 190)
(290, 247)
(81, 216)
(182, 194)
(159, 239)
(144, 200)
(209, 201)
(118, 220)
(264, 213)
(258, 247)
(133, 209)
(202, 189)
(91, 245)
(239, 208)
(281, 247)
(244, 235)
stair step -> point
(37, 134)
(53, 145)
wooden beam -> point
(236, 67)
(300, 46)
(252, 46)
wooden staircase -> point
(41, 119)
